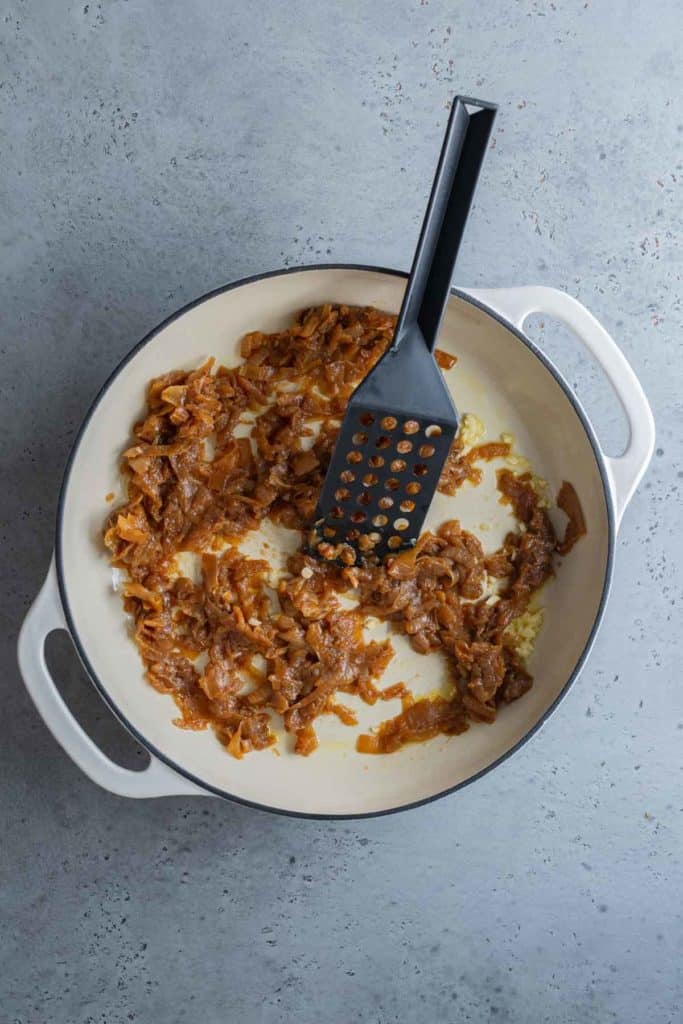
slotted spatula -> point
(401, 420)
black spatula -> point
(401, 420)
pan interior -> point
(498, 378)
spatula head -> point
(399, 425)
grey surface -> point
(152, 151)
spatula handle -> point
(462, 154)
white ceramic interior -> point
(499, 378)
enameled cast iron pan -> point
(503, 378)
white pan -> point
(503, 378)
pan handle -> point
(44, 616)
(516, 304)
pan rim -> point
(208, 788)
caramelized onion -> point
(238, 651)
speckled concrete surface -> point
(151, 152)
